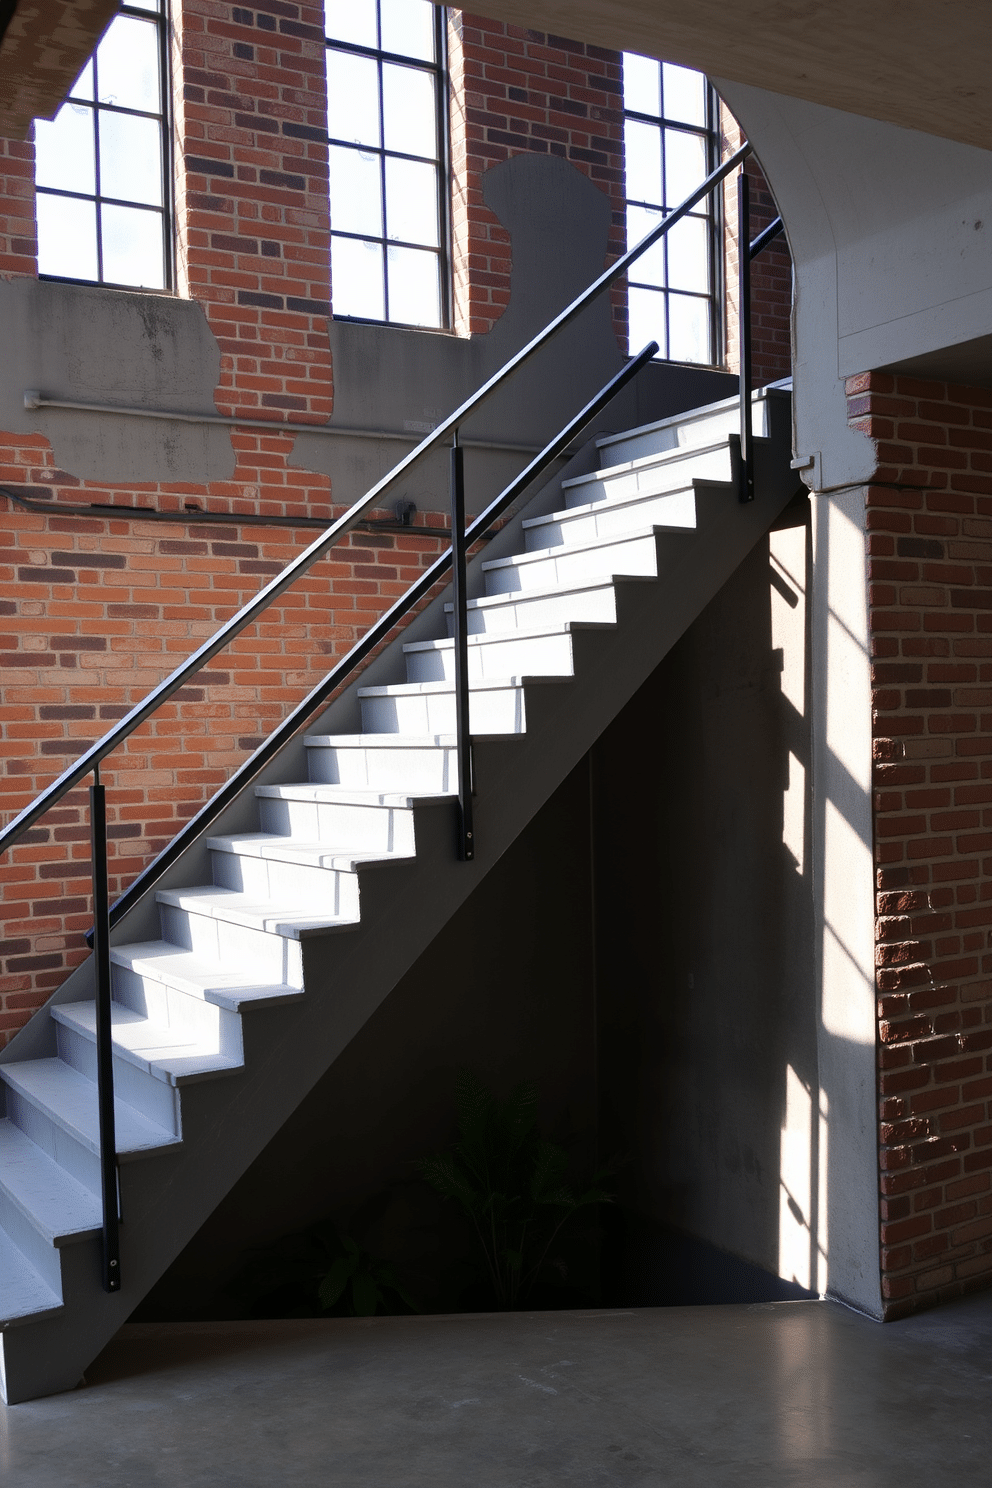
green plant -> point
(315, 1271)
(364, 1279)
(510, 1182)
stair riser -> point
(688, 435)
(491, 712)
(649, 480)
(418, 771)
(30, 1242)
(537, 656)
(678, 510)
(598, 605)
(368, 828)
(79, 1162)
(633, 556)
(324, 890)
(135, 1087)
(271, 958)
(182, 1011)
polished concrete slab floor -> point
(766, 1395)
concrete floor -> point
(796, 1393)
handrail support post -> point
(466, 829)
(746, 468)
(104, 1038)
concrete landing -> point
(792, 1393)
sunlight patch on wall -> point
(795, 1182)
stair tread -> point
(487, 637)
(245, 909)
(23, 1293)
(599, 508)
(585, 585)
(187, 972)
(315, 854)
(382, 741)
(69, 1099)
(165, 1052)
(446, 685)
(344, 795)
(57, 1205)
(645, 462)
(539, 555)
(690, 416)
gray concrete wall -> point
(706, 985)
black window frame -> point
(442, 164)
(161, 20)
(713, 214)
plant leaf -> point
(365, 1293)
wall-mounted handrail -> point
(250, 612)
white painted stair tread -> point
(537, 555)
(69, 1100)
(666, 458)
(381, 741)
(343, 795)
(313, 854)
(242, 909)
(23, 1293)
(563, 627)
(446, 685)
(578, 588)
(56, 1204)
(173, 966)
(169, 1054)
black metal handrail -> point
(454, 557)
(257, 606)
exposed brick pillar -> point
(930, 568)
(771, 272)
(18, 230)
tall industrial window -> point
(102, 165)
(387, 132)
(670, 145)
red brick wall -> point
(522, 91)
(930, 545)
(96, 611)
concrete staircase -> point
(242, 975)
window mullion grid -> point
(97, 174)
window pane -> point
(145, 4)
(649, 269)
(411, 202)
(64, 150)
(133, 247)
(685, 165)
(356, 193)
(642, 144)
(351, 20)
(685, 95)
(414, 286)
(646, 311)
(688, 256)
(356, 279)
(408, 110)
(641, 90)
(130, 158)
(66, 237)
(352, 98)
(127, 65)
(688, 320)
(83, 86)
(408, 28)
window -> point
(101, 165)
(670, 145)
(387, 132)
